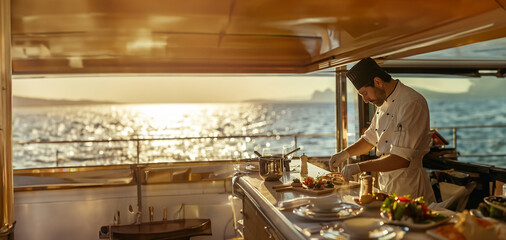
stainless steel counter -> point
(285, 223)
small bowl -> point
(361, 227)
(325, 203)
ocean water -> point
(215, 121)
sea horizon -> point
(183, 120)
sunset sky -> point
(232, 88)
(186, 88)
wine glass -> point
(287, 149)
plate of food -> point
(316, 184)
(335, 178)
(412, 213)
(498, 202)
(493, 207)
(466, 226)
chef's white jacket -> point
(401, 126)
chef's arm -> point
(360, 147)
(386, 163)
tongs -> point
(295, 150)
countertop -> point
(289, 225)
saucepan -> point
(271, 167)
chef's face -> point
(373, 94)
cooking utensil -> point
(295, 150)
(257, 153)
(271, 168)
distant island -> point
(477, 90)
(18, 101)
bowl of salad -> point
(412, 213)
(494, 206)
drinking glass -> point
(288, 158)
(287, 149)
(266, 152)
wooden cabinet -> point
(255, 224)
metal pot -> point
(271, 168)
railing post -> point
(139, 193)
(138, 151)
(295, 141)
(455, 138)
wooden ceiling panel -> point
(238, 36)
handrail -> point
(174, 138)
(139, 139)
(455, 137)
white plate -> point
(346, 211)
(411, 224)
(489, 202)
(314, 209)
(384, 232)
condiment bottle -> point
(303, 165)
(365, 184)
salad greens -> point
(490, 211)
(401, 208)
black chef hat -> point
(364, 72)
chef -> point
(399, 130)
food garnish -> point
(317, 184)
(405, 208)
(296, 182)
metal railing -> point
(455, 137)
(138, 140)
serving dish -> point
(489, 200)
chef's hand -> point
(350, 170)
(337, 159)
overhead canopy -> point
(237, 36)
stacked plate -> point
(363, 228)
(338, 212)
